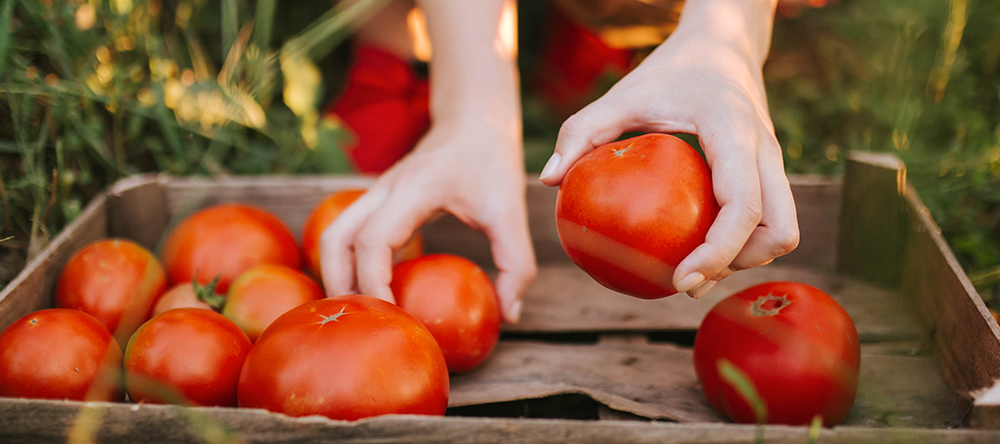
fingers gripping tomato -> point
(798, 347)
(628, 212)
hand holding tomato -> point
(796, 345)
(705, 80)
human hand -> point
(704, 80)
(469, 169)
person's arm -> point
(705, 80)
(469, 164)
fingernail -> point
(550, 166)
(690, 282)
(515, 311)
(697, 293)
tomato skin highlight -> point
(347, 358)
(326, 212)
(59, 353)
(628, 212)
(263, 293)
(224, 241)
(191, 352)
(798, 347)
(456, 301)
(115, 280)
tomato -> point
(263, 293)
(189, 295)
(628, 212)
(59, 354)
(187, 355)
(796, 345)
(326, 212)
(456, 301)
(224, 241)
(348, 357)
(116, 281)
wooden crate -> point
(586, 364)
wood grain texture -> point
(48, 421)
(137, 209)
(966, 337)
(564, 299)
(873, 218)
(34, 287)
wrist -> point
(741, 26)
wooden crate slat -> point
(34, 287)
(564, 299)
(47, 421)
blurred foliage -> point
(917, 78)
(91, 91)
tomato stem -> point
(206, 293)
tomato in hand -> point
(628, 212)
(186, 355)
(456, 301)
(348, 357)
(224, 241)
(263, 293)
(59, 354)
(326, 212)
(796, 345)
(114, 280)
(189, 295)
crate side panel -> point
(966, 337)
(34, 287)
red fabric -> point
(573, 59)
(385, 103)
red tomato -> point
(189, 295)
(260, 295)
(186, 355)
(326, 212)
(798, 347)
(224, 241)
(59, 354)
(455, 300)
(115, 281)
(628, 212)
(348, 357)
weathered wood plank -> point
(657, 381)
(873, 218)
(137, 209)
(966, 337)
(33, 288)
(564, 299)
(48, 422)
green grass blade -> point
(263, 23)
(230, 25)
(6, 12)
(328, 31)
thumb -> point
(594, 125)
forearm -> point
(472, 74)
(743, 25)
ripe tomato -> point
(116, 281)
(260, 295)
(326, 212)
(59, 354)
(187, 352)
(348, 357)
(456, 301)
(189, 295)
(798, 347)
(628, 212)
(224, 241)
